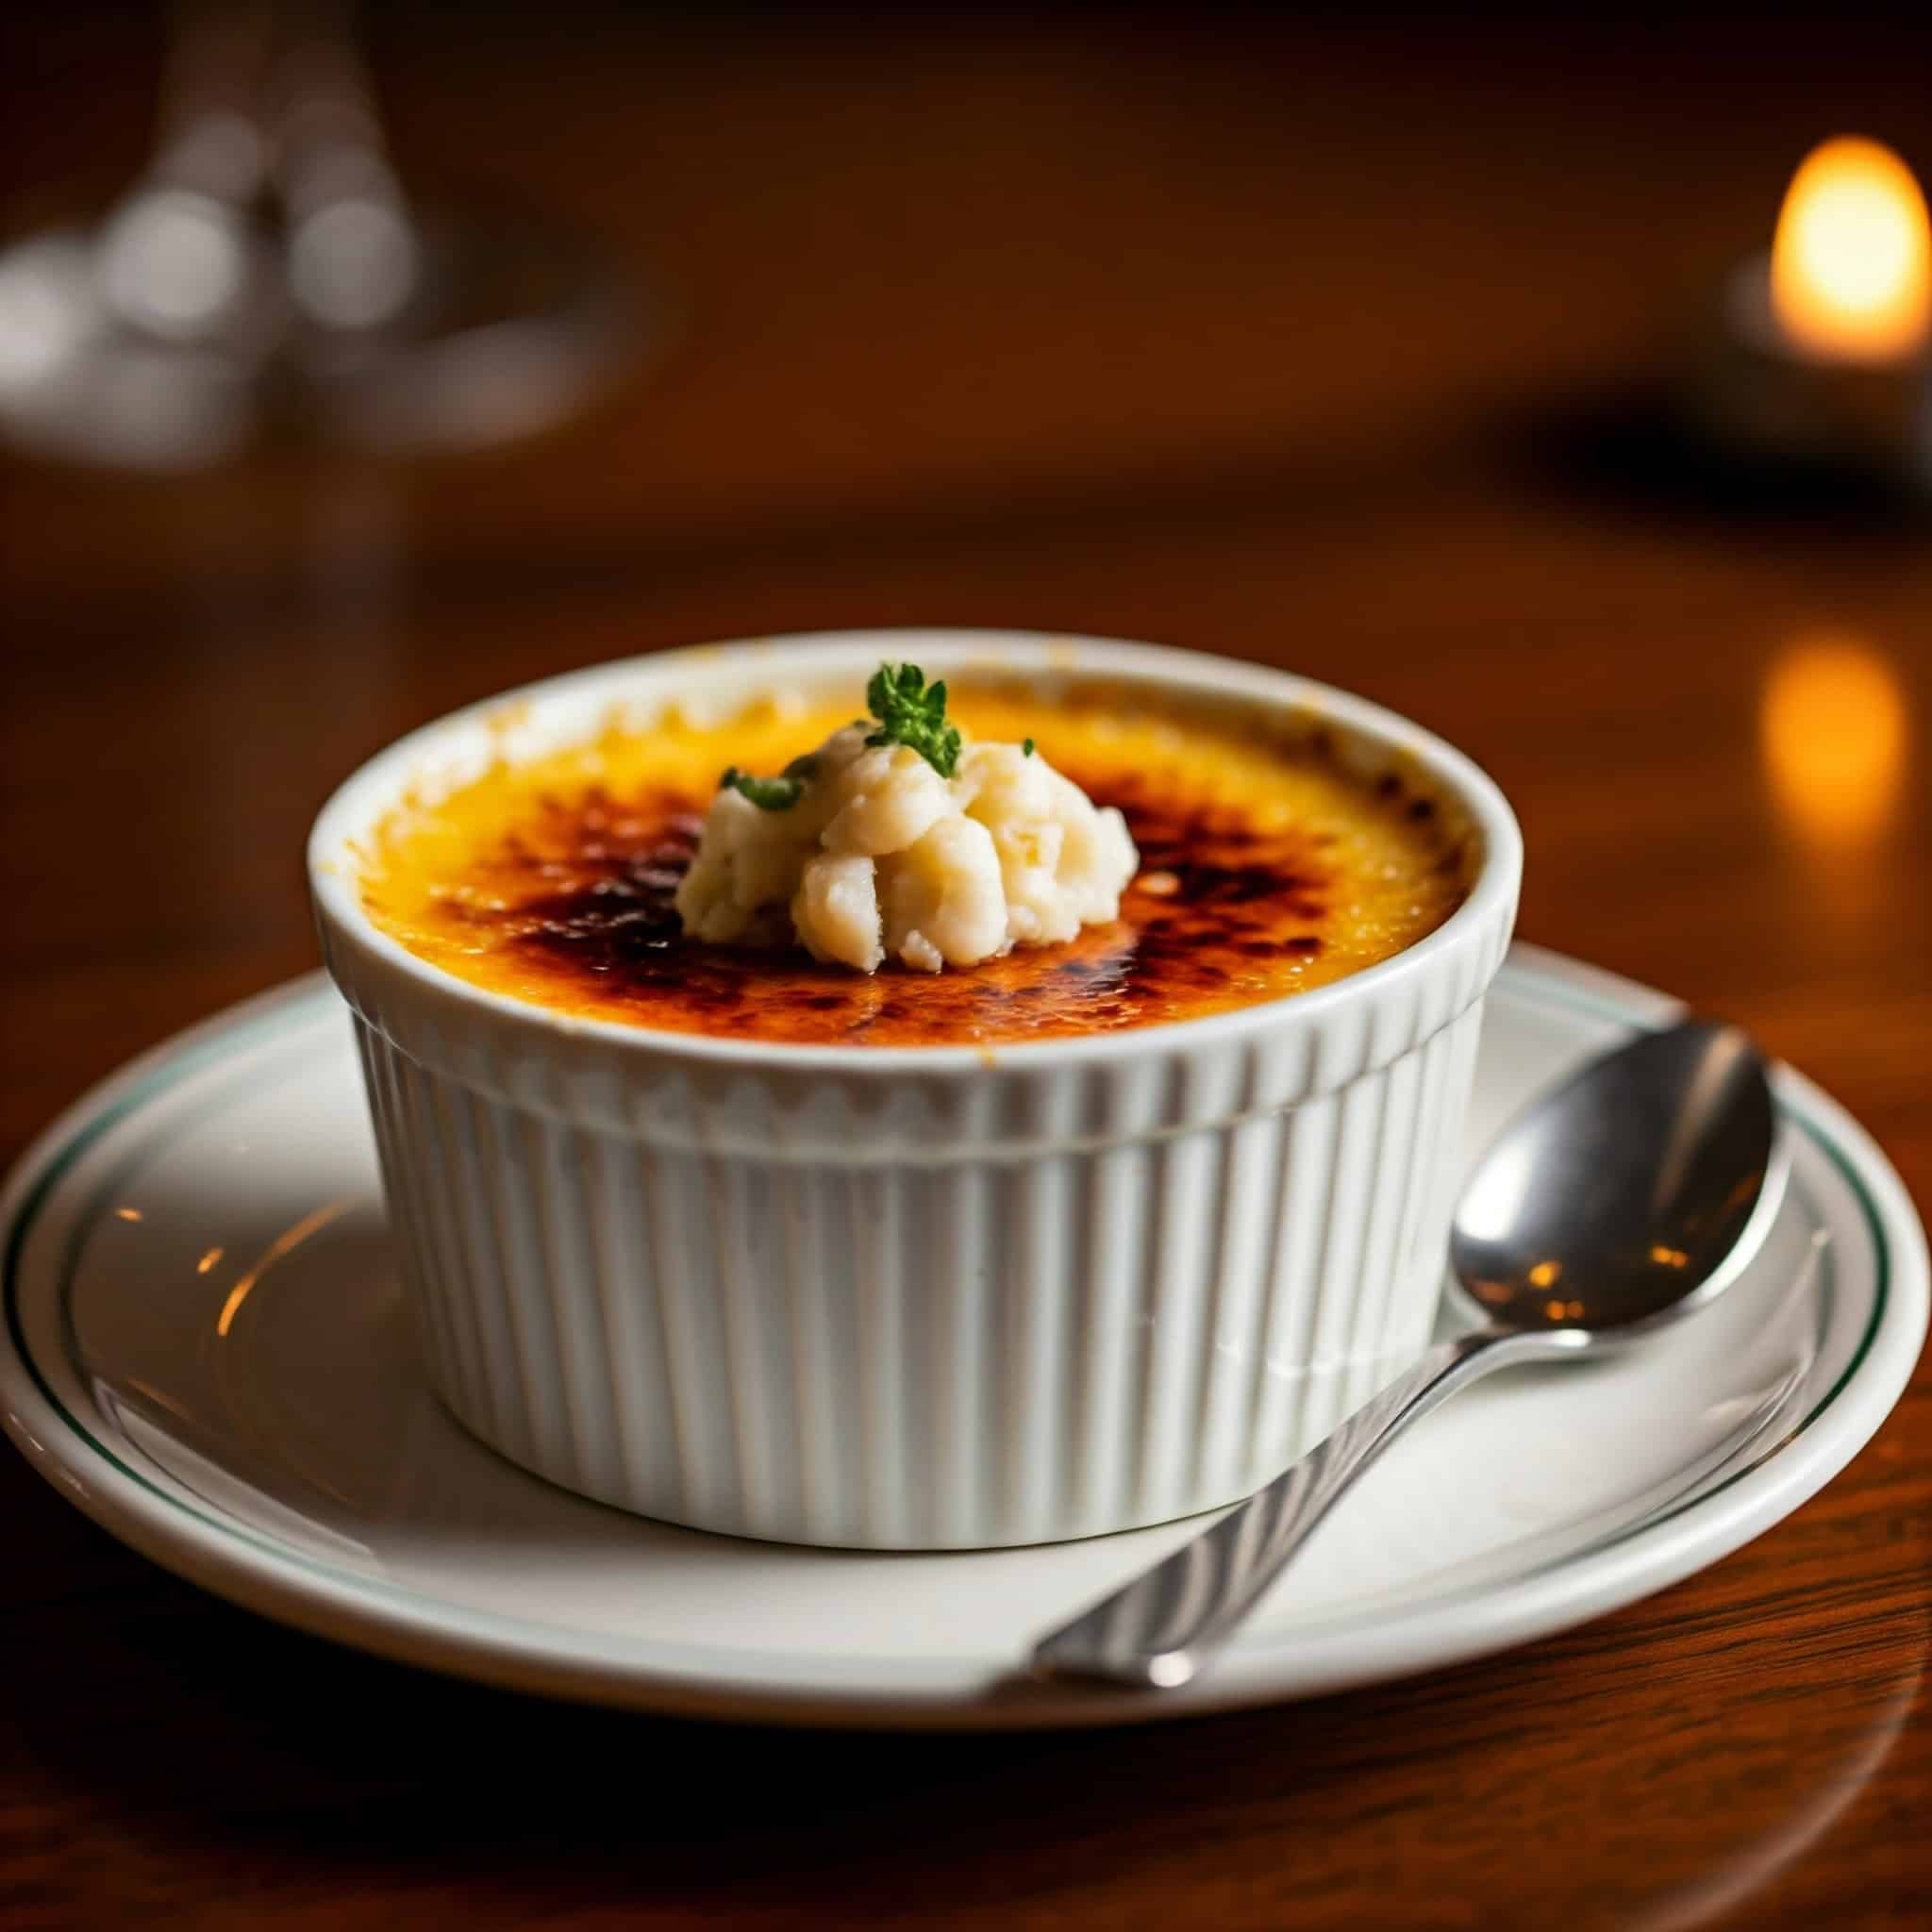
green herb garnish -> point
(914, 714)
(1026, 748)
(767, 794)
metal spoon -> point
(1631, 1195)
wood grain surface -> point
(1321, 343)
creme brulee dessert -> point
(990, 864)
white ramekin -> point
(916, 1297)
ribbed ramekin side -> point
(1114, 1322)
(675, 1333)
(1291, 1267)
(976, 1354)
(1167, 1322)
(437, 1278)
(416, 1241)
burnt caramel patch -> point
(581, 898)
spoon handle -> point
(1160, 1629)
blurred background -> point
(1401, 350)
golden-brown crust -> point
(1235, 903)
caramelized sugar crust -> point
(1265, 869)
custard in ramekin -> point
(1079, 1239)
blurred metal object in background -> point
(267, 275)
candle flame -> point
(1851, 268)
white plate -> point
(206, 1352)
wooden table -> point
(1201, 329)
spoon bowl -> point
(1627, 1196)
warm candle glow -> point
(1833, 725)
(1851, 268)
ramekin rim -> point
(1492, 896)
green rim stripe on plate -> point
(1524, 982)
